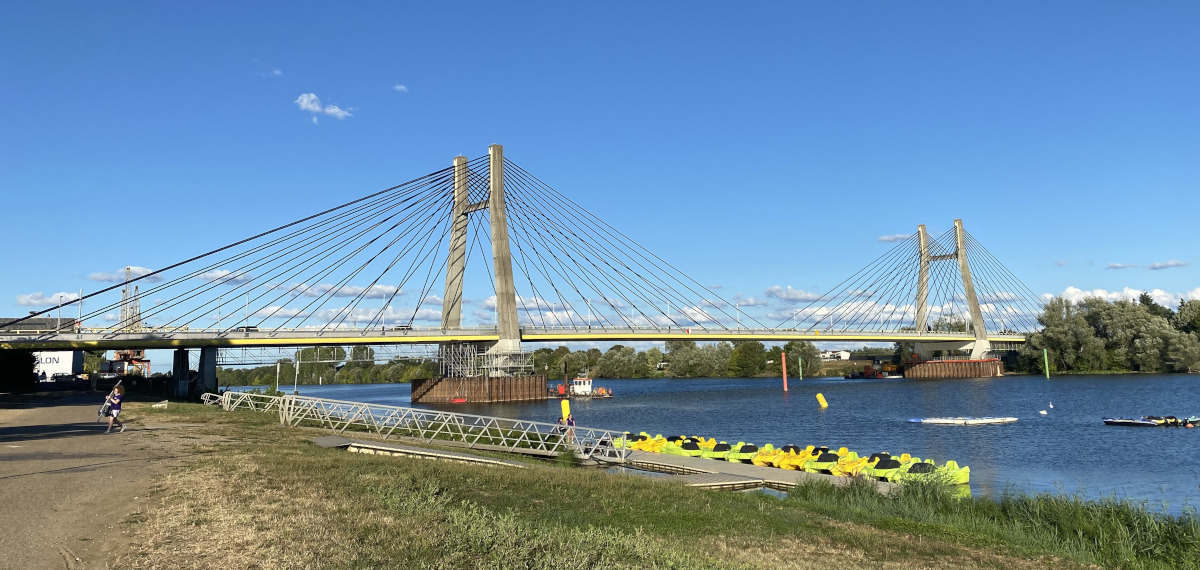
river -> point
(1067, 450)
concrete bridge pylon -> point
(980, 346)
(502, 356)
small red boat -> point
(458, 400)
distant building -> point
(835, 355)
(37, 324)
(49, 363)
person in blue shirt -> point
(114, 410)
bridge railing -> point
(430, 426)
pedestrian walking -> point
(113, 400)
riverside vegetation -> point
(254, 493)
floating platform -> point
(963, 421)
(982, 368)
(384, 448)
(479, 389)
(727, 475)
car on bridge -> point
(246, 329)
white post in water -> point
(296, 382)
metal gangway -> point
(431, 426)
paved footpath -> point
(66, 487)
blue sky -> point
(753, 146)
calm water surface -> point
(1069, 449)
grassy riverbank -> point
(258, 494)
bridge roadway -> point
(91, 339)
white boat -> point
(964, 421)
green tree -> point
(748, 359)
(319, 362)
(1153, 308)
(653, 357)
(1187, 318)
(1071, 343)
(361, 357)
(618, 362)
(797, 350)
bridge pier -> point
(180, 373)
(206, 380)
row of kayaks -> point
(1154, 421)
(841, 462)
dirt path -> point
(67, 487)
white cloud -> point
(373, 292)
(790, 295)
(110, 317)
(749, 301)
(1168, 264)
(277, 72)
(894, 238)
(1193, 295)
(226, 276)
(311, 103)
(400, 87)
(118, 276)
(715, 287)
(40, 300)
(1128, 293)
(1121, 265)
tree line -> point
(1096, 335)
(682, 359)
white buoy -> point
(1052, 405)
(1043, 412)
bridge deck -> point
(151, 339)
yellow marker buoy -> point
(821, 400)
(566, 409)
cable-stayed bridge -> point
(477, 258)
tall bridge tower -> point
(981, 345)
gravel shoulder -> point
(68, 488)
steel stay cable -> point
(614, 232)
(859, 309)
(995, 270)
(837, 291)
(390, 195)
(542, 189)
(353, 305)
(852, 281)
(331, 234)
(201, 256)
(552, 223)
(331, 231)
(519, 214)
(432, 206)
(232, 275)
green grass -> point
(264, 493)
(1113, 532)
